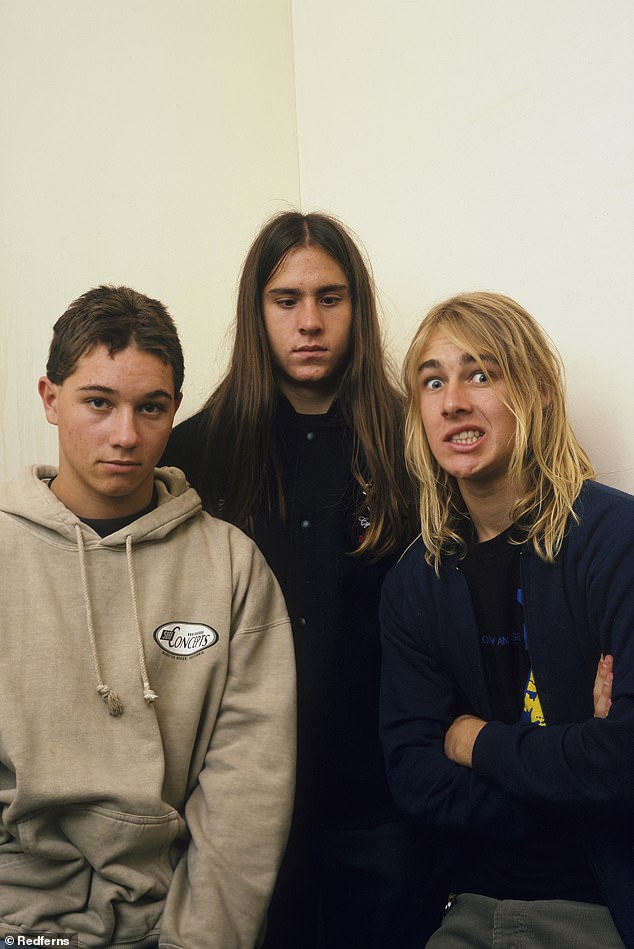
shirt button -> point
(302, 621)
(305, 525)
(311, 436)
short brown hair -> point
(115, 317)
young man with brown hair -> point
(147, 681)
(301, 445)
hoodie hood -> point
(30, 499)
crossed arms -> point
(464, 730)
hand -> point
(460, 738)
(602, 691)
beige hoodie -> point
(171, 817)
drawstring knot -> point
(112, 700)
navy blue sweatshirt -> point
(575, 776)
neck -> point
(306, 400)
(97, 507)
(490, 511)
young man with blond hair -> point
(493, 624)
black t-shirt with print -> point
(552, 865)
(492, 572)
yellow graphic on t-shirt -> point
(532, 706)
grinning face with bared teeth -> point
(470, 429)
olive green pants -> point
(479, 922)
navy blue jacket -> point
(579, 769)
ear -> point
(48, 394)
(177, 401)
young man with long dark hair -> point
(301, 446)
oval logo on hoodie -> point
(185, 639)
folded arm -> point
(462, 733)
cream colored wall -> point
(142, 142)
(469, 144)
(486, 144)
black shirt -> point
(333, 600)
(552, 864)
(492, 572)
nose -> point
(124, 432)
(455, 399)
(309, 316)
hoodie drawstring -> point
(148, 694)
(110, 697)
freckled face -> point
(470, 430)
(114, 415)
(308, 321)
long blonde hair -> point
(547, 467)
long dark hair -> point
(238, 446)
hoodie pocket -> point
(112, 868)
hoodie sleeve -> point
(239, 813)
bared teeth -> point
(470, 437)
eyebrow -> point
(294, 292)
(106, 390)
(465, 360)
